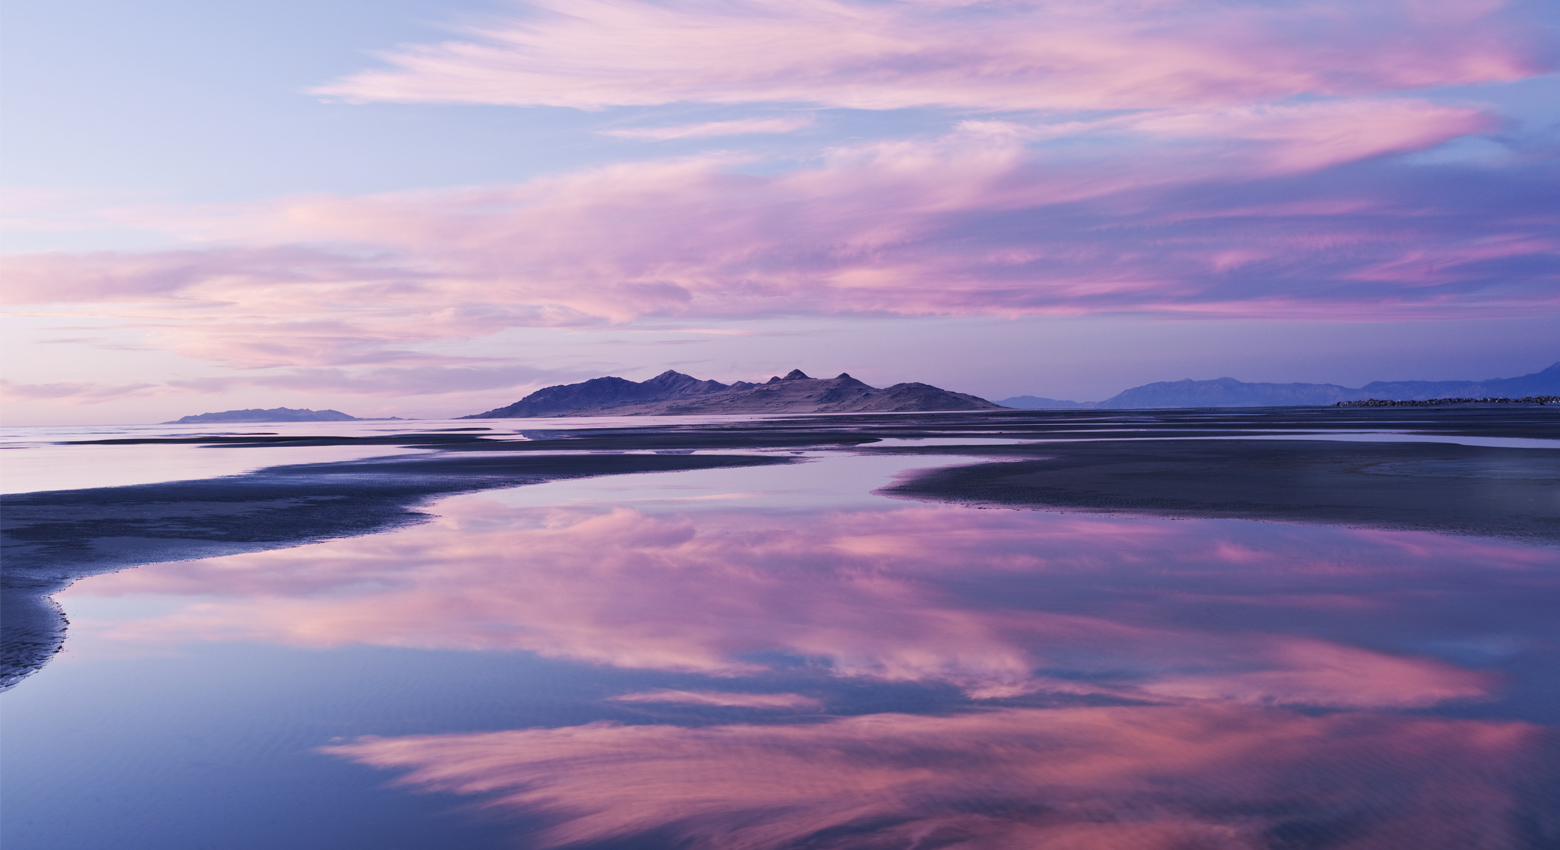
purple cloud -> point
(1060, 54)
(1186, 158)
(975, 223)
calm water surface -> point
(776, 657)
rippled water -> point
(776, 657)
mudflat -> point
(1452, 489)
(1413, 474)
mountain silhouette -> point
(275, 414)
(1228, 392)
(673, 393)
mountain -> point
(1033, 402)
(1228, 392)
(1544, 382)
(603, 395)
(275, 414)
(673, 393)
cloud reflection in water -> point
(995, 603)
(1249, 680)
(1120, 777)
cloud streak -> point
(1155, 778)
(723, 699)
(1227, 160)
(76, 392)
(1281, 212)
(1055, 55)
(710, 129)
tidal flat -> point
(1273, 628)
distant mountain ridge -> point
(275, 414)
(673, 393)
(1228, 392)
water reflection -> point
(1120, 682)
(995, 603)
(1210, 776)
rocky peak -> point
(671, 378)
(674, 393)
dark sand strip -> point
(1451, 489)
(51, 539)
(861, 429)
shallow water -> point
(777, 657)
(41, 458)
(34, 459)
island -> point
(673, 393)
(275, 414)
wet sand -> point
(1451, 489)
(1089, 461)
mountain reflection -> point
(1210, 684)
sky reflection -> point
(1139, 777)
(995, 603)
(1106, 682)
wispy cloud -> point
(1190, 158)
(1284, 212)
(1042, 54)
(738, 127)
(1169, 158)
(76, 392)
(402, 382)
(724, 699)
(393, 382)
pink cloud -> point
(1145, 777)
(723, 699)
(974, 223)
(709, 129)
(1303, 137)
(864, 593)
(591, 54)
(118, 276)
(407, 376)
(80, 392)
(1176, 158)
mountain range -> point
(275, 414)
(673, 393)
(1228, 392)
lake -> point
(797, 633)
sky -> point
(426, 209)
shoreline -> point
(54, 538)
(1196, 464)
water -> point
(776, 657)
(39, 458)
(36, 459)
